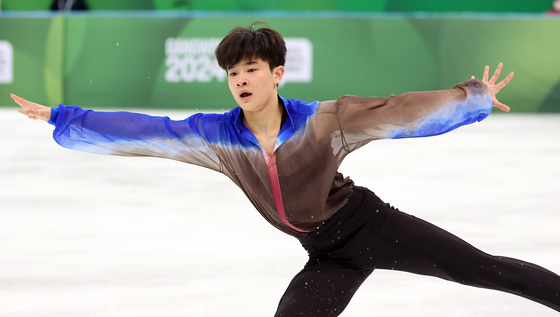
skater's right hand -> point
(32, 110)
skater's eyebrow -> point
(245, 64)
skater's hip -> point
(362, 209)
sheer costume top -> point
(298, 187)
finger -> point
(472, 77)
(496, 73)
(485, 75)
(16, 99)
(26, 104)
(500, 105)
(27, 113)
(503, 107)
(505, 81)
(20, 101)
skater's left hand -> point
(494, 88)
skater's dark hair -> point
(248, 42)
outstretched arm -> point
(32, 110)
(125, 133)
(415, 114)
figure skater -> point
(284, 154)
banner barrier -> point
(300, 5)
(168, 62)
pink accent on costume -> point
(276, 192)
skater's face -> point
(253, 84)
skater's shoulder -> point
(296, 106)
(212, 118)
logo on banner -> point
(299, 61)
(6, 62)
(192, 60)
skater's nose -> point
(242, 81)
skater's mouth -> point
(245, 94)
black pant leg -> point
(321, 289)
(404, 242)
(367, 234)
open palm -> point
(494, 88)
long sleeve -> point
(415, 114)
(133, 134)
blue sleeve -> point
(132, 134)
(455, 114)
(54, 114)
(409, 115)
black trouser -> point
(367, 234)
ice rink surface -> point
(92, 235)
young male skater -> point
(284, 154)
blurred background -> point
(159, 53)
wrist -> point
(51, 115)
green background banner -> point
(37, 56)
(298, 5)
(166, 61)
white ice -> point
(92, 235)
